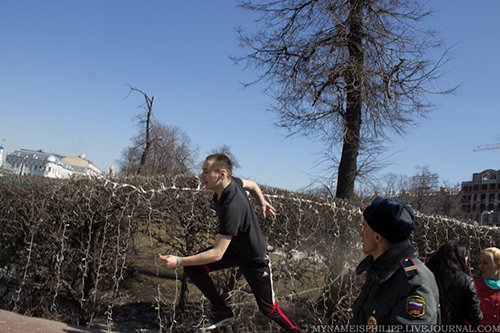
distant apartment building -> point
(480, 198)
(39, 163)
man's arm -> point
(253, 188)
(207, 257)
(418, 307)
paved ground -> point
(13, 322)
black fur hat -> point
(390, 218)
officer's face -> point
(488, 267)
(368, 238)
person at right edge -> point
(488, 289)
(399, 289)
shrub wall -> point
(84, 251)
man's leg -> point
(199, 275)
(261, 281)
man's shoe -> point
(217, 319)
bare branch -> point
(344, 72)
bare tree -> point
(423, 185)
(350, 73)
(144, 120)
(394, 185)
(422, 191)
(157, 149)
(171, 152)
(427, 195)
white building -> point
(1, 154)
(38, 163)
(82, 166)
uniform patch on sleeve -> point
(409, 267)
(415, 306)
(372, 325)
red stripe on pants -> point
(277, 307)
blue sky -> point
(65, 66)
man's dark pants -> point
(259, 277)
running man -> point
(240, 242)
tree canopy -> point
(350, 73)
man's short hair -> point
(221, 161)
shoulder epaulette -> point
(409, 267)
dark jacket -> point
(463, 304)
(399, 290)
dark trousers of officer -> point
(259, 278)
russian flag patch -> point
(415, 306)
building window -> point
(492, 186)
(484, 187)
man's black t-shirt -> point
(238, 219)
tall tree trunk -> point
(149, 103)
(350, 148)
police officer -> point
(399, 289)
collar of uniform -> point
(381, 269)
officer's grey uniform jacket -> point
(399, 290)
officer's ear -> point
(379, 239)
(223, 173)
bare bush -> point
(85, 251)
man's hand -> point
(169, 261)
(268, 210)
